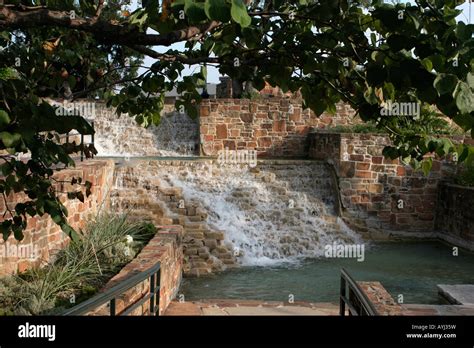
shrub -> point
(466, 176)
(368, 127)
(79, 270)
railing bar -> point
(134, 306)
(349, 305)
(366, 303)
(111, 293)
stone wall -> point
(165, 248)
(455, 214)
(274, 127)
(42, 236)
(378, 193)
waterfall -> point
(270, 214)
(121, 136)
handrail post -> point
(157, 301)
(82, 147)
(152, 294)
(363, 306)
(92, 136)
(342, 303)
(112, 307)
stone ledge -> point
(380, 298)
(462, 294)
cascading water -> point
(270, 214)
(175, 136)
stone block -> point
(210, 243)
(221, 131)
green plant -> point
(252, 94)
(466, 176)
(105, 245)
(368, 127)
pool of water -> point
(409, 269)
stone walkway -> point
(457, 294)
(421, 309)
(246, 307)
(241, 307)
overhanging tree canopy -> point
(365, 53)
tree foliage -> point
(368, 54)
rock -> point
(195, 234)
(191, 251)
(214, 235)
(210, 243)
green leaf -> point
(463, 31)
(389, 90)
(80, 196)
(204, 72)
(5, 229)
(194, 11)
(445, 83)
(370, 96)
(8, 74)
(4, 118)
(470, 80)
(9, 139)
(239, 13)
(464, 98)
(427, 64)
(217, 9)
(88, 186)
(426, 166)
(438, 61)
(18, 233)
(70, 232)
(397, 42)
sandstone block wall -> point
(42, 236)
(455, 214)
(372, 187)
(274, 127)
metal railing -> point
(354, 298)
(110, 296)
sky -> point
(467, 16)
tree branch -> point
(104, 31)
(168, 57)
(100, 7)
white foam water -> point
(175, 136)
(279, 214)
